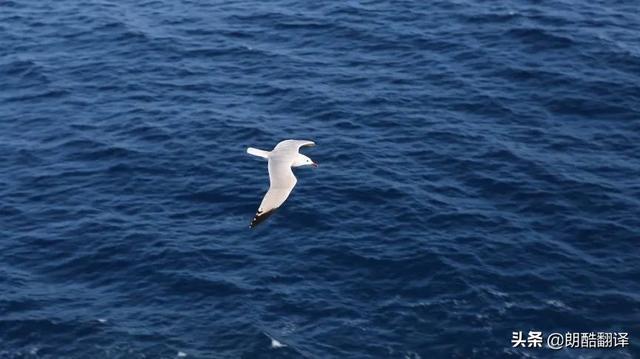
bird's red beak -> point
(315, 165)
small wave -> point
(541, 39)
(557, 304)
(27, 71)
(491, 18)
(586, 107)
(41, 96)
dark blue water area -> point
(479, 174)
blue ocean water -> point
(479, 175)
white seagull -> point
(281, 159)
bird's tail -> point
(257, 152)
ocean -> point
(478, 179)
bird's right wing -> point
(293, 145)
(282, 182)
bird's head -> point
(302, 160)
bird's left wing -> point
(282, 182)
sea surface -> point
(479, 174)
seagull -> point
(281, 159)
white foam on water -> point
(275, 344)
(182, 354)
(558, 304)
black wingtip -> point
(261, 217)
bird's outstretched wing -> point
(292, 145)
(282, 182)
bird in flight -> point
(281, 159)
